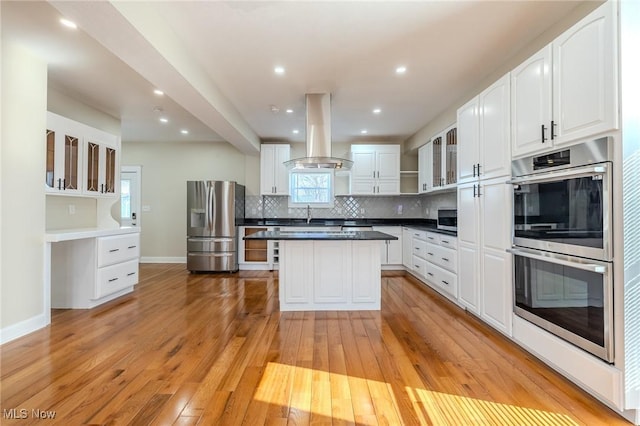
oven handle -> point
(591, 267)
(552, 177)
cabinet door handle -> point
(59, 184)
(130, 247)
(474, 189)
(474, 170)
(479, 191)
(113, 250)
(553, 126)
(64, 184)
(113, 279)
(130, 273)
(374, 174)
(542, 129)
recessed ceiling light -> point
(364, 131)
(279, 70)
(377, 111)
(289, 111)
(67, 23)
(274, 109)
(164, 120)
(296, 131)
(158, 92)
(401, 69)
(184, 131)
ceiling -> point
(215, 61)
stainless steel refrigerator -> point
(214, 211)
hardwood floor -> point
(213, 349)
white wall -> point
(24, 103)
(166, 167)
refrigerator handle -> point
(207, 209)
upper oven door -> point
(565, 211)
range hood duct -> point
(319, 137)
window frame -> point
(331, 188)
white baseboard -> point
(22, 328)
(149, 259)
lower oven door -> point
(568, 296)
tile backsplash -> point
(354, 207)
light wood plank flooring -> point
(213, 349)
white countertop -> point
(57, 235)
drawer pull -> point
(431, 238)
(113, 250)
(445, 259)
(130, 247)
(430, 254)
(113, 279)
(131, 273)
(416, 248)
(444, 282)
(445, 241)
(430, 274)
(416, 266)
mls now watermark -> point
(23, 413)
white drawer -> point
(118, 248)
(444, 257)
(111, 279)
(419, 266)
(448, 241)
(419, 248)
(432, 252)
(432, 237)
(445, 280)
(420, 235)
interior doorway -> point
(130, 178)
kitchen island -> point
(328, 270)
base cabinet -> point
(391, 251)
(88, 272)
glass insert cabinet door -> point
(101, 169)
(62, 169)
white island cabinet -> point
(328, 270)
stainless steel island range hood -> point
(319, 137)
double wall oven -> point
(562, 244)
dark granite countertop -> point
(320, 235)
(420, 224)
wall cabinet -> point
(424, 168)
(100, 167)
(484, 125)
(376, 170)
(484, 235)
(274, 176)
(80, 160)
(90, 271)
(568, 90)
(391, 251)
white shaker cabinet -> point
(424, 168)
(568, 90)
(375, 170)
(484, 235)
(443, 159)
(274, 176)
(391, 251)
(483, 134)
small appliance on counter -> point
(214, 211)
(448, 220)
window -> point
(311, 187)
(125, 199)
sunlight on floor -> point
(324, 394)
